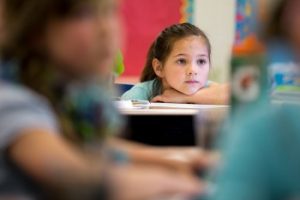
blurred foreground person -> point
(55, 112)
(261, 159)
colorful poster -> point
(187, 11)
(247, 24)
(143, 20)
(245, 20)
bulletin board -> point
(143, 20)
(245, 19)
(247, 24)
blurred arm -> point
(185, 159)
(53, 162)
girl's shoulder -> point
(210, 83)
(141, 91)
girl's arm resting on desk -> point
(214, 94)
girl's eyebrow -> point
(180, 54)
(202, 55)
(199, 55)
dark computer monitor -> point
(162, 130)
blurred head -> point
(179, 59)
(284, 22)
(1, 20)
(79, 37)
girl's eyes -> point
(181, 61)
(184, 61)
(201, 62)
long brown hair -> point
(162, 47)
(24, 23)
(274, 27)
(24, 20)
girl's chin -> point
(191, 89)
(189, 92)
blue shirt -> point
(143, 91)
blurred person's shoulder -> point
(13, 94)
(17, 93)
(267, 122)
(278, 114)
(22, 108)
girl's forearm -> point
(215, 94)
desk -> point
(175, 127)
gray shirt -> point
(20, 109)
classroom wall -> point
(217, 19)
(143, 21)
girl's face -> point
(186, 68)
(85, 44)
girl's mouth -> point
(192, 82)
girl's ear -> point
(157, 68)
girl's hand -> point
(171, 96)
(214, 94)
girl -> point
(53, 65)
(177, 68)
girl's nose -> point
(192, 71)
